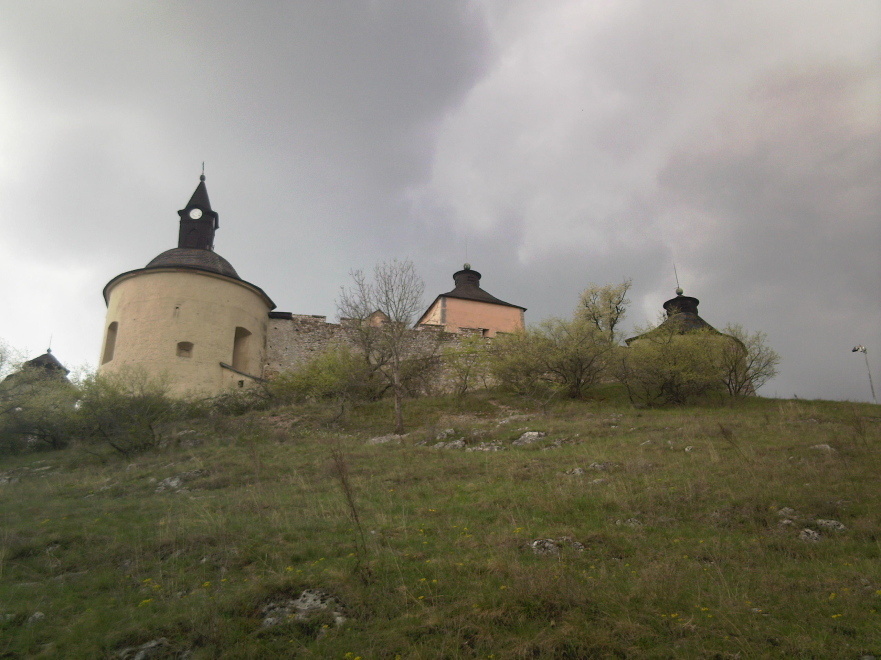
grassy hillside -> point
(619, 533)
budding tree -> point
(604, 307)
(380, 312)
(749, 363)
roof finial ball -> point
(467, 266)
(678, 290)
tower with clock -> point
(197, 221)
(187, 315)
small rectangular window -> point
(185, 349)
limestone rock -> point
(155, 648)
(176, 483)
(831, 524)
(809, 535)
(486, 446)
(385, 439)
(310, 602)
(528, 438)
(451, 444)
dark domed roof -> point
(468, 288)
(195, 258)
(682, 318)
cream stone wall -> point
(158, 310)
(456, 313)
(435, 313)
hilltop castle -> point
(187, 314)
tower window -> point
(241, 344)
(110, 342)
(185, 349)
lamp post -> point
(862, 349)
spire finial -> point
(202, 176)
(678, 288)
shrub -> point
(37, 411)
(128, 410)
(670, 368)
(568, 357)
(337, 373)
(749, 362)
(467, 363)
(239, 401)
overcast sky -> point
(553, 144)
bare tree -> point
(749, 362)
(604, 307)
(380, 312)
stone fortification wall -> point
(295, 339)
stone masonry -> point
(294, 339)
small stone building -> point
(45, 366)
(468, 308)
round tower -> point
(187, 315)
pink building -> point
(468, 308)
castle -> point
(189, 316)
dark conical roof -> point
(682, 318)
(44, 366)
(195, 258)
(468, 288)
(199, 199)
(48, 362)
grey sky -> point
(556, 143)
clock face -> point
(195, 214)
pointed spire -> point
(199, 199)
(198, 221)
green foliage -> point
(665, 367)
(516, 366)
(128, 410)
(559, 356)
(467, 363)
(239, 401)
(749, 362)
(688, 519)
(37, 411)
(339, 373)
(604, 307)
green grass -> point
(684, 554)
